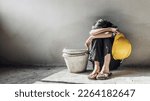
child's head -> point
(101, 23)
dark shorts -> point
(101, 47)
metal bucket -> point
(76, 59)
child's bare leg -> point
(105, 68)
(104, 73)
(96, 67)
(95, 71)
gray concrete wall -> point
(36, 31)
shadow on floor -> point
(25, 74)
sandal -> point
(93, 76)
(103, 76)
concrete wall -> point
(36, 31)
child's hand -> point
(117, 32)
(114, 29)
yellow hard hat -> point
(121, 48)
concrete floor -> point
(60, 75)
(124, 75)
(25, 74)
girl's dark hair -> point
(103, 24)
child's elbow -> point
(91, 33)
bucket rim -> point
(74, 51)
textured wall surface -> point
(36, 31)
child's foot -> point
(103, 75)
(94, 74)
